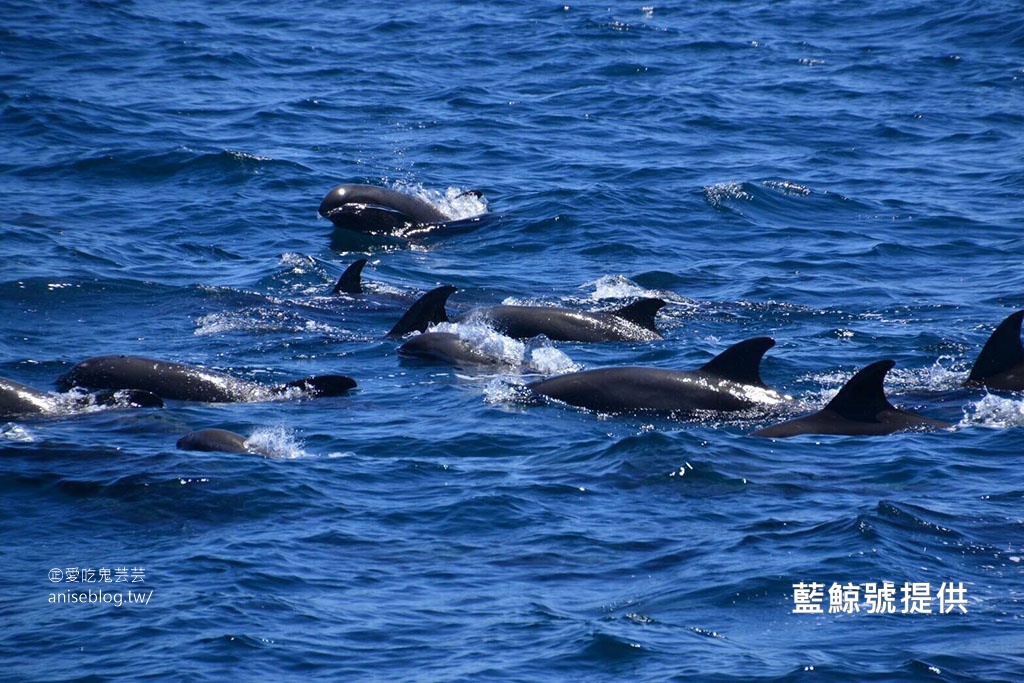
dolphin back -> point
(168, 380)
(19, 399)
(859, 409)
(214, 440)
(445, 347)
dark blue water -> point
(845, 177)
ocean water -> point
(847, 178)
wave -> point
(223, 167)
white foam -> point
(537, 356)
(787, 187)
(16, 432)
(456, 203)
(276, 442)
(506, 390)
(299, 263)
(621, 287)
(718, 193)
(219, 323)
(940, 376)
(547, 360)
(259, 320)
(518, 301)
(486, 340)
(618, 287)
(995, 412)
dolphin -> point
(634, 322)
(731, 381)
(378, 210)
(449, 348)
(859, 409)
(179, 382)
(19, 400)
(1000, 365)
(216, 440)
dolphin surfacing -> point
(179, 382)
(729, 382)
(447, 348)
(859, 409)
(378, 210)
(1000, 365)
(215, 440)
(635, 322)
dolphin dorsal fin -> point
(428, 310)
(1002, 351)
(863, 396)
(350, 281)
(741, 362)
(641, 312)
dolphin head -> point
(342, 195)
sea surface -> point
(847, 178)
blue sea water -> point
(847, 178)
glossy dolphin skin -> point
(1000, 365)
(731, 381)
(377, 210)
(448, 348)
(859, 409)
(634, 322)
(19, 400)
(214, 440)
(179, 382)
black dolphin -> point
(859, 409)
(634, 322)
(180, 382)
(731, 381)
(1000, 365)
(447, 347)
(378, 210)
(216, 440)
